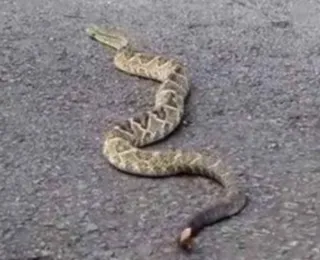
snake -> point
(124, 141)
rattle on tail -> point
(123, 143)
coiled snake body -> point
(123, 143)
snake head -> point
(107, 36)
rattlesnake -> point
(123, 143)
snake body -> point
(124, 142)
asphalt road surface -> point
(255, 99)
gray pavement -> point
(255, 99)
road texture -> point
(255, 98)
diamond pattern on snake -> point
(124, 142)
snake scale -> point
(124, 142)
